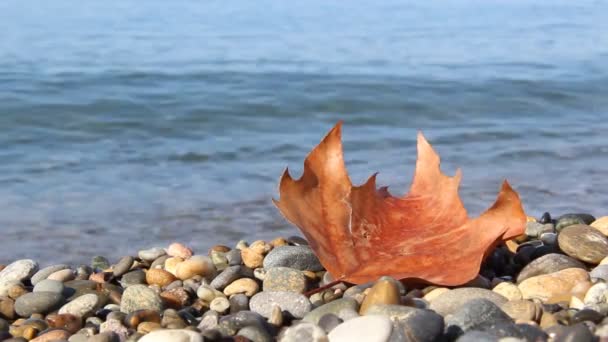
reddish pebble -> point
(177, 249)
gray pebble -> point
(329, 321)
(135, 277)
(138, 297)
(293, 304)
(49, 285)
(107, 336)
(37, 302)
(332, 307)
(298, 257)
(578, 332)
(123, 266)
(450, 301)
(473, 313)
(234, 257)
(47, 271)
(238, 302)
(226, 277)
(151, 254)
(255, 334)
(599, 272)
(419, 324)
(304, 331)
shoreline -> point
(549, 283)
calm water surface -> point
(126, 125)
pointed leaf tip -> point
(360, 233)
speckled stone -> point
(298, 257)
(294, 304)
(448, 302)
(284, 279)
(547, 286)
(597, 294)
(140, 297)
(19, 270)
(365, 328)
(82, 306)
(548, 263)
(473, 314)
(523, 310)
(584, 243)
(599, 272)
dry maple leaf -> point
(361, 233)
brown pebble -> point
(198, 265)
(159, 277)
(146, 327)
(175, 298)
(260, 247)
(2, 267)
(280, 241)
(26, 331)
(218, 248)
(172, 263)
(16, 291)
(52, 335)
(7, 308)
(547, 320)
(68, 322)
(135, 318)
(100, 277)
(251, 258)
(247, 286)
(383, 292)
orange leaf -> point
(361, 233)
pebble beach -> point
(546, 285)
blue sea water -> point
(129, 124)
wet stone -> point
(584, 243)
(298, 257)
